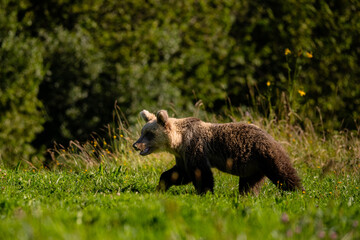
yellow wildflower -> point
(114, 137)
(309, 54)
(287, 51)
(268, 83)
(302, 93)
(121, 135)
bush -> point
(174, 54)
(71, 91)
(22, 113)
(217, 51)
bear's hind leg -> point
(285, 178)
(251, 184)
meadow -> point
(102, 189)
(290, 67)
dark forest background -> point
(64, 64)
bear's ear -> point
(162, 117)
(147, 116)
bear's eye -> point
(150, 135)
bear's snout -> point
(135, 146)
(144, 148)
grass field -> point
(103, 190)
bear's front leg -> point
(173, 176)
(203, 179)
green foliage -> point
(220, 50)
(21, 118)
(21, 72)
(185, 56)
(71, 90)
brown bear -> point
(240, 149)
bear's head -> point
(156, 133)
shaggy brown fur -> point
(240, 149)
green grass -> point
(123, 204)
(103, 190)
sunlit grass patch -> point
(122, 203)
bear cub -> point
(240, 149)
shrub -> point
(174, 54)
(22, 115)
(71, 91)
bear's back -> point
(236, 147)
